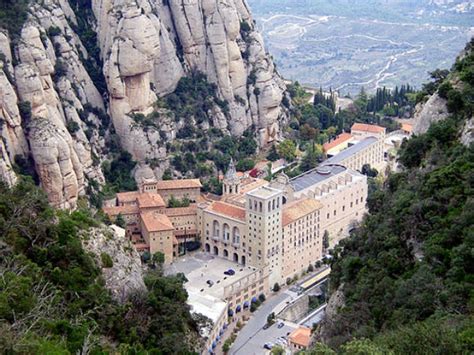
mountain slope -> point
(84, 80)
(408, 270)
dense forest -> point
(406, 276)
(52, 294)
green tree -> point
(277, 350)
(287, 150)
(273, 154)
(276, 287)
(120, 221)
(325, 240)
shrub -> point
(72, 126)
(276, 287)
(54, 31)
(106, 260)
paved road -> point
(254, 326)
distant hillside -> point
(403, 282)
(347, 45)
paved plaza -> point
(200, 267)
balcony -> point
(216, 238)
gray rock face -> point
(125, 277)
(433, 110)
(146, 47)
(467, 135)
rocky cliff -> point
(79, 70)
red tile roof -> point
(301, 336)
(180, 211)
(156, 222)
(124, 210)
(178, 184)
(298, 209)
(148, 200)
(124, 197)
(343, 137)
(367, 128)
(227, 210)
(407, 127)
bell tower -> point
(231, 180)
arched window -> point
(236, 258)
(216, 251)
(235, 235)
(215, 229)
(226, 232)
(243, 259)
(208, 248)
(226, 253)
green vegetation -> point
(194, 97)
(173, 202)
(407, 272)
(118, 172)
(13, 14)
(106, 260)
(85, 30)
(52, 294)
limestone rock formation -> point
(125, 276)
(431, 111)
(147, 46)
(55, 104)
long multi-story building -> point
(364, 145)
(280, 227)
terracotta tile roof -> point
(367, 128)
(156, 222)
(343, 137)
(301, 336)
(124, 197)
(298, 209)
(148, 200)
(407, 127)
(227, 210)
(180, 211)
(178, 184)
(124, 210)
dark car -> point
(229, 272)
(266, 326)
(280, 325)
(210, 282)
(268, 346)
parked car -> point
(229, 272)
(266, 326)
(280, 325)
(268, 346)
(210, 282)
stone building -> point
(364, 145)
(179, 189)
(341, 191)
(148, 220)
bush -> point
(261, 297)
(54, 31)
(106, 260)
(276, 287)
(72, 126)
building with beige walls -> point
(157, 231)
(179, 189)
(342, 193)
(369, 150)
(135, 207)
(338, 144)
(302, 240)
(364, 145)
